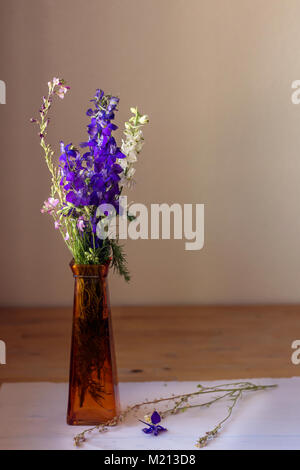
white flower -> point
(130, 173)
(144, 119)
(132, 156)
(127, 147)
(139, 146)
(123, 163)
(131, 146)
(138, 135)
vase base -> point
(90, 418)
(84, 422)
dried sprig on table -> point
(181, 403)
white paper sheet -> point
(32, 416)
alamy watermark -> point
(187, 222)
(2, 352)
(2, 92)
(295, 357)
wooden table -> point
(159, 343)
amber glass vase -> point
(93, 390)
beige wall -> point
(215, 77)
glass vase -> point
(93, 389)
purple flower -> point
(153, 426)
(93, 178)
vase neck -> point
(89, 271)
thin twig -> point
(233, 391)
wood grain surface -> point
(159, 343)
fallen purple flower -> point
(153, 426)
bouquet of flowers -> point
(88, 180)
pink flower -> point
(55, 82)
(80, 224)
(62, 91)
(67, 237)
(49, 205)
(57, 225)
